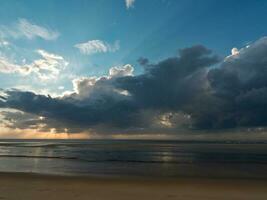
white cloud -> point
(24, 28)
(126, 70)
(6, 66)
(234, 51)
(84, 87)
(3, 43)
(31, 31)
(61, 87)
(97, 46)
(47, 67)
(129, 3)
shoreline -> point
(40, 186)
(124, 177)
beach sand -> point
(45, 187)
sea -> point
(135, 158)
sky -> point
(132, 68)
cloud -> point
(122, 101)
(92, 89)
(24, 28)
(47, 67)
(126, 70)
(129, 3)
(234, 51)
(3, 43)
(239, 89)
(7, 67)
(194, 90)
(97, 46)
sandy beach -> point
(14, 186)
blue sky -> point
(153, 29)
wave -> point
(29, 156)
(29, 145)
(111, 160)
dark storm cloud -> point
(195, 88)
(61, 114)
(239, 89)
(173, 82)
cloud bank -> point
(194, 90)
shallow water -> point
(134, 158)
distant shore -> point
(28, 186)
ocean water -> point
(137, 158)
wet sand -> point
(20, 186)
